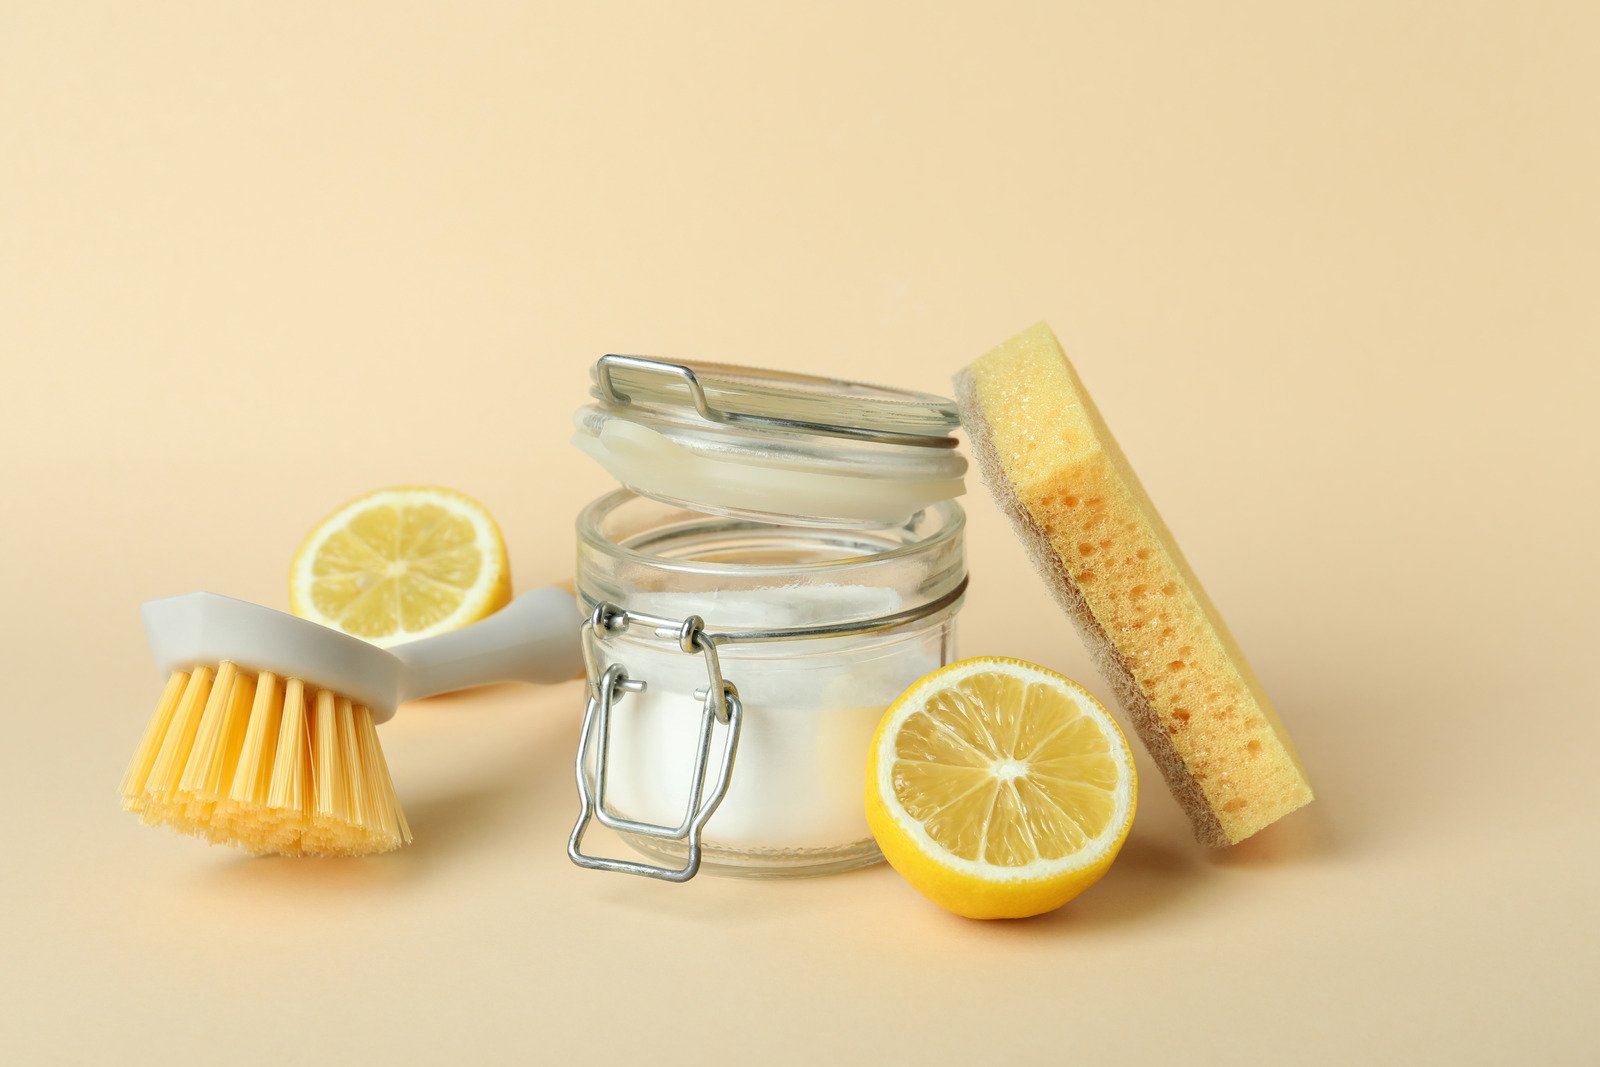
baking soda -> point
(810, 709)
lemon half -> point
(1000, 789)
(401, 564)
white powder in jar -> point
(810, 709)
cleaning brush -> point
(265, 735)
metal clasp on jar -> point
(719, 702)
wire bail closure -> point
(719, 703)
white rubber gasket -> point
(656, 465)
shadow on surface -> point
(1300, 836)
(513, 797)
(1148, 877)
(509, 796)
(1152, 875)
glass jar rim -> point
(949, 515)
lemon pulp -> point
(999, 788)
(401, 564)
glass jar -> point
(756, 599)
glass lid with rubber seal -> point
(770, 445)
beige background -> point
(1330, 269)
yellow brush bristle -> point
(267, 764)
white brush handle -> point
(204, 629)
(532, 639)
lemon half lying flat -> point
(1000, 789)
(401, 564)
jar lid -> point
(770, 445)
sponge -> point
(1055, 469)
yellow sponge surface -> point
(1053, 465)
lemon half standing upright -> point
(401, 564)
(1000, 789)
